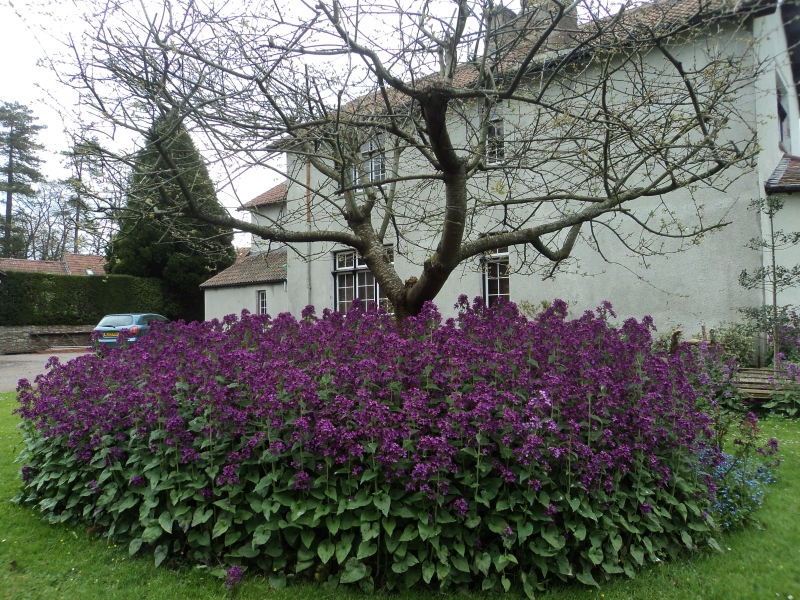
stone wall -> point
(32, 338)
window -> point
(496, 276)
(352, 279)
(373, 160)
(495, 141)
(261, 304)
(783, 121)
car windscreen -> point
(116, 321)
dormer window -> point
(89, 271)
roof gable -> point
(273, 195)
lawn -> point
(38, 560)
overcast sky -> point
(23, 81)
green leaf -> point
(595, 555)
(483, 562)
(134, 546)
(528, 583)
(307, 535)
(389, 524)
(580, 532)
(524, 531)
(637, 554)
(232, 536)
(409, 533)
(597, 537)
(152, 532)
(343, 547)
(460, 563)
(506, 583)
(428, 569)
(553, 537)
(220, 527)
(489, 582)
(277, 582)
(383, 502)
(201, 516)
(586, 578)
(333, 523)
(261, 535)
(326, 550)
(687, 539)
(711, 542)
(161, 553)
(354, 571)
(165, 520)
(366, 548)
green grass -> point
(38, 560)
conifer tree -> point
(155, 238)
(20, 166)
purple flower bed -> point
(488, 449)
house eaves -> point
(785, 179)
(252, 270)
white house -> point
(696, 285)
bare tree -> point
(447, 130)
(44, 221)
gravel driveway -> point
(14, 367)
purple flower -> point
(460, 506)
(137, 481)
(206, 492)
(233, 576)
(645, 508)
(302, 481)
(28, 473)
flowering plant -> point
(487, 448)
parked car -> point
(137, 324)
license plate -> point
(110, 334)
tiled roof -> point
(77, 264)
(641, 23)
(242, 253)
(785, 179)
(34, 266)
(73, 264)
(271, 196)
(261, 268)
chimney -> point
(503, 31)
(537, 15)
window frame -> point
(354, 268)
(261, 302)
(496, 259)
(495, 140)
(371, 153)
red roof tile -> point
(34, 266)
(261, 268)
(242, 253)
(271, 196)
(77, 264)
(785, 179)
(73, 264)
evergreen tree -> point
(155, 238)
(20, 167)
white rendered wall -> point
(698, 285)
(221, 302)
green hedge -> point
(46, 299)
